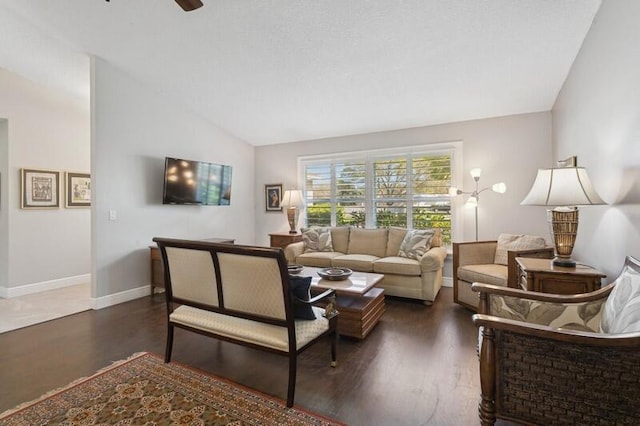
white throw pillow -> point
(316, 239)
(621, 312)
(508, 242)
(416, 242)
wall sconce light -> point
(564, 187)
(292, 200)
(474, 196)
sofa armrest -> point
(512, 266)
(433, 259)
(293, 250)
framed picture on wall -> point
(78, 190)
(39, 189)
(273, 197)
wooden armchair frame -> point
(461, 258)
(537, 374)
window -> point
(405, 188)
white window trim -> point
(455, 147)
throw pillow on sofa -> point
(416, 243)
(299, 287)
(508, 242)
(316, 239)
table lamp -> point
(566, 188)
(292, 199)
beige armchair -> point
(553, 359)
(491, 262)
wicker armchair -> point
(550, 359)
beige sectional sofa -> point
(378, 251)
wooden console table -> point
(157, 270)
(284, 239)
(542, 276)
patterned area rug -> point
(143, 390)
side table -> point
(157, 269)
(542, 276)
(284, 239)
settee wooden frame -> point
(215, 250)
(537, 374)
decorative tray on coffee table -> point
(294, 269)
(335, 274)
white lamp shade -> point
(499, 187)
(567, 186)
(292, 198)
(475, 173)
(471, 202)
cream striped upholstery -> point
(252, 284)
(272, 336)
(192, 275)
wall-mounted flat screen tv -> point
(196, 182)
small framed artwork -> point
(78, 190)
(40, 189)
(273, 197)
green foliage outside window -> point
(405, 190)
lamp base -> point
(564, 228)
(291, 218)
(565, 263)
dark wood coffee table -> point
(359, 302)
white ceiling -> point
(271, 71)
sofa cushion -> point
(368, 241)
(357, 262)
(415, 244)
(319, 259)
(397, 265)
(316, 239)
(299, 287)
(508, 242)
(340, 238)
(621, 312)
(394, 240)
(488, 274)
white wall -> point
(597, 118)
(508, 149)
(133, 130)
(45, 129)
(4, 206)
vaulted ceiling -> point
(271, 71)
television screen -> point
(196, 182)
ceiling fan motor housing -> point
(189, 5)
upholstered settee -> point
(244, 295)
(492, 262)
(411, 260)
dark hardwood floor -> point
(418, 366)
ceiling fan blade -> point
(189, 5)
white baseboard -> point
(447, 281)
(9, 292)
(124, 296)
